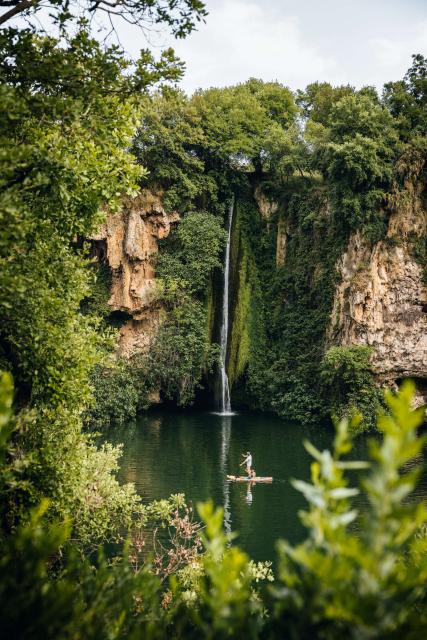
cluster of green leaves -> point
(12, 464)
(318, 98)
(166, 143)
(120, 390)
(407, 99)
(347, 381)
(356, 139)
(82, 600)
(191, 252)
(50, 345)
(68, 112)
(194, 147)
(179, 350)
(96, 304)
(370, 582)
(76, 477)
(73, 117)
(359, 160)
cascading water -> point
(225, 400)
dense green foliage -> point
(80, 131)
(359, 162)
(96, 304)
(337, 584)
(191, 252)
(407, 99)
(345, 170)
(369, 583)
(179, 351)
(74, 115)
(69, 109)
(120, 390)
(195, 147)
(348, 382)
(285, 351)
(299, 300)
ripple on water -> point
(166, 453)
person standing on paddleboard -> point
(248, 463)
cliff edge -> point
(127, 240)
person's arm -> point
(242, 463)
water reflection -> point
(225, 446)
(167, 453)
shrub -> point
(367, 580)
(347, 381)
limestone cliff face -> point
(382, 300)
(129, 239)
(266, 206)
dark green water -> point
(193, 452)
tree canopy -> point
(69, 108)
(179, 15)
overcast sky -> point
(360, 42)
(340, 41)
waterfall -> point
(225, 400)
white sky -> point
(340, 41)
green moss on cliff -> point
(243, 291)
(280, 315)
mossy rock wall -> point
(280, 309)
(245, 293)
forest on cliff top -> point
(82, 128)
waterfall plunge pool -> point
(166, 453)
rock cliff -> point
(127, 241)
(382, 299)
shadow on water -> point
(166, 453)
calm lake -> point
(192, 453)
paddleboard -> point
(246, 479)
